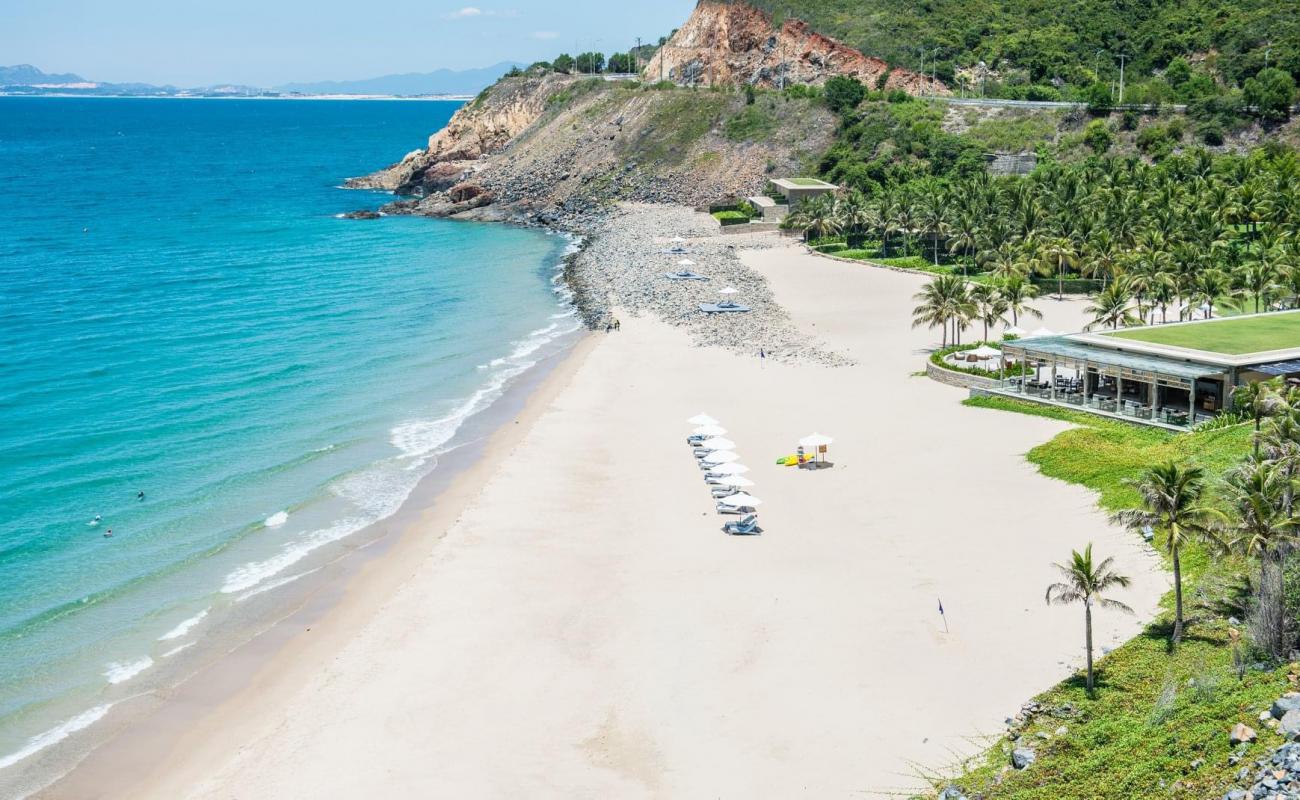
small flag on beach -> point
(945, 617)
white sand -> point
(586, 631)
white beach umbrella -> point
(677, 240)
(1015, 330)
(741, 500)
(984, 352)
(709, 430)
(730, 468)
(1043, 332)
(735, 480)
(728, 290)
(720, 457)
(718, 443)
(686, 262)
(702, 419)
(815, 440)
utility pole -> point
(1095, 56)
(636, 57)
(1267, 52)
(1121, 78)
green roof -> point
(807, 182)
(1230, 335)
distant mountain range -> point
(27, 79)
(442, 81)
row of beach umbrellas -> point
(723, 461)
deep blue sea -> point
(182, 315)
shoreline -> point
(339, 596)
(50, 754)
(584, 613)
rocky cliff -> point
(550, 149)
(480, 129)
(732, 43)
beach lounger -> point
(726, 509)
(724, 307)
(747, 524)
(721, 491)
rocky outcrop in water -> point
(735, 43)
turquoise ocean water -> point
(182, 314)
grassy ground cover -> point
(1247, 334)
(1158, 725)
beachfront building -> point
(1174, 375)
(797, 190)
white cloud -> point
(470, 12)
(545, 35)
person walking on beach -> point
(618, 325)
(762, 357)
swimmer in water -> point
(108, 534)
(139, 495)
(94, 521)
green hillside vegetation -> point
(1177, 50)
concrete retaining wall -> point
(753, 227)
(952, 377)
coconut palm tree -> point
(1057, 255)
(1262, 529)
(1084, 583)
(1171, 505)
(942, 301)
(819, 217)
(990, 306)
(1260, 400)
(1018, 292)
(1111, 306)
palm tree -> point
(1263, 529)
(1171, 506)
(1258, 279)
(943, 300)
(819, 217)
(1084, 583)
(1018, 292)
(1260, 400)
(1110, 306)
(854, 214)
(990, 306)
(1207, 288)
(1059, 253)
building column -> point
(1054, 378)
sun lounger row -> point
(723, 474)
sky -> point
(270, 42)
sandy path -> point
(586, 630)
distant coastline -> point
(459, 98)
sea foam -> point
(123, 671)
(56, 734)
(184, 627)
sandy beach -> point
(572, 622)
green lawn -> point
(1156, 712)
(1250, 334)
